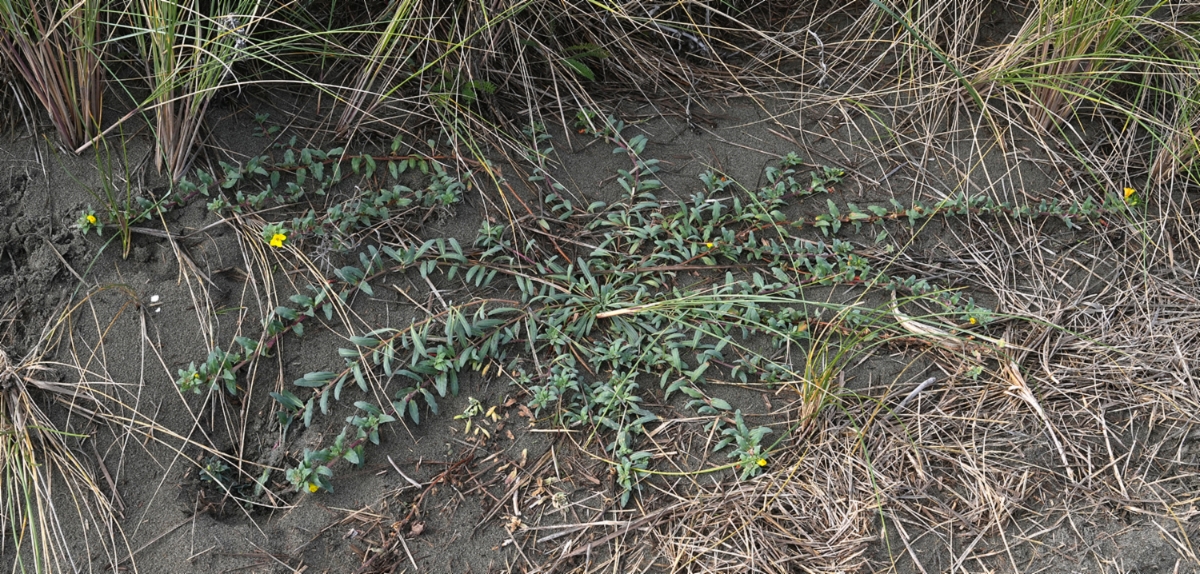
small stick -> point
(112, 485)
(157, 538)
(436, 293)
(405, 476)
(894, 170)
(413, 561)
(925, 385)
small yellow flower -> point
(313, 487)
(1131, 197)
(277, 241)
(762, 462)
(91, 219)
(973, 321)
(709, 245)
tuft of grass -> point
(36, 461)
(56, 47)
(1130, 67)
(120, 204)
(1067, 52)
(1177, 94)
(471, 69)
(13, 109)
(191, 48)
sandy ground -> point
(432, 498)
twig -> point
(911, 395)
(157, 538)
(404, 476)
(433, 288)
(403, 544)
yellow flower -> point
(91, 219)
(1131, 197)
(313, 487)
(762, 462)
(277, 241)
(973, 320)
(709, 245)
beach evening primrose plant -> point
(632, 326)
(88, 221)
(747, 443)
(275, 235)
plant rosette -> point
(88, 221)
(276, 235)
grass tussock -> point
(57, 48)
(191, 54)
(45, 479)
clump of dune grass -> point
(533, 60)
(42, 479)
(13, 109)
(191, 49)
(1064, 53)
(56, 47)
